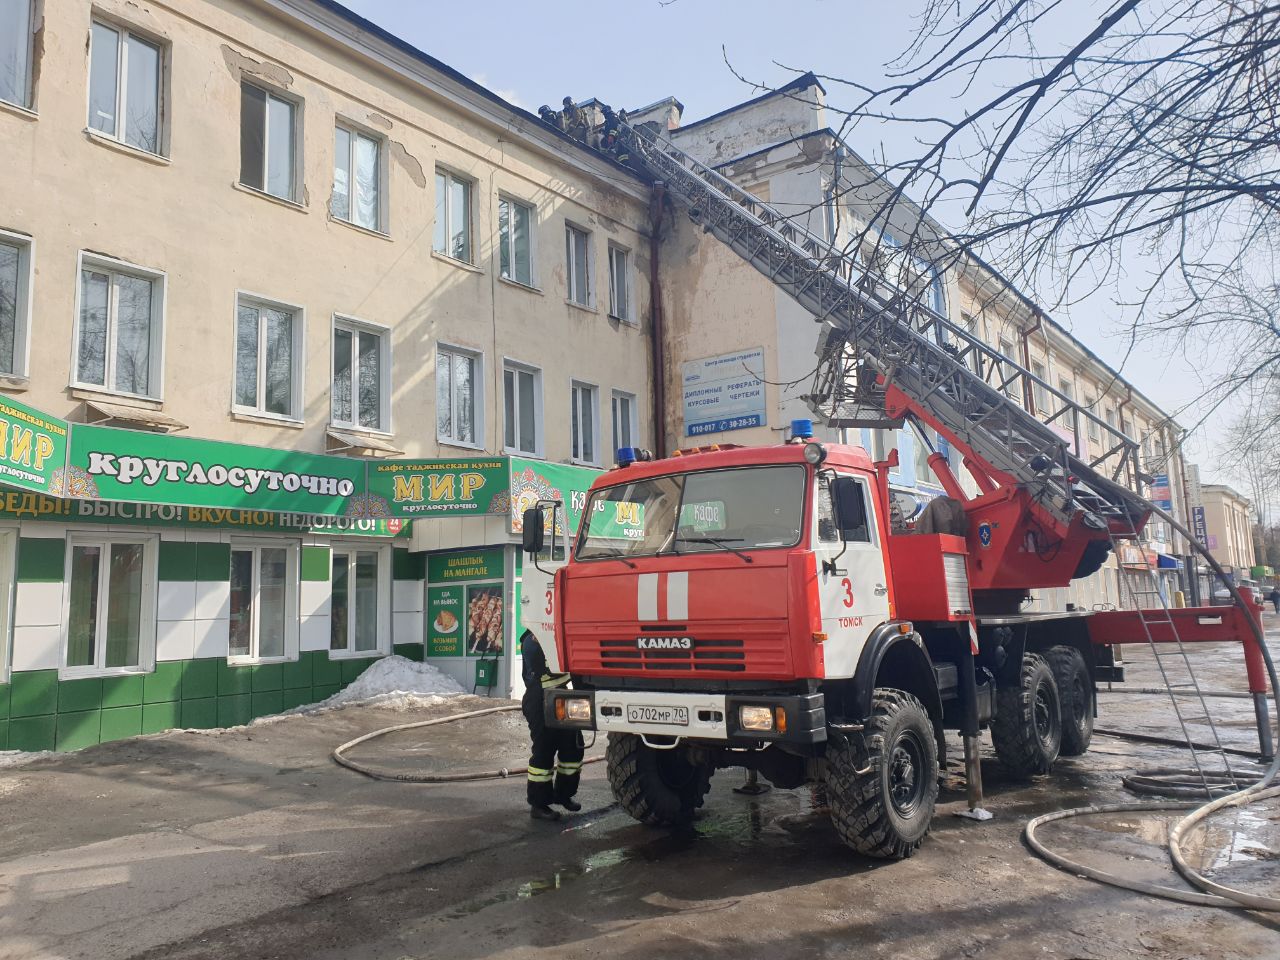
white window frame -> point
(9, 533)
(1039, 394)
(450, 178)
(355, 327)
(570, 230)
(385, 640)
(518, 367)
(575, 386)
(24, 302)
(505, 241)
(477, 401)
(160, 291)
(124, 32)
(293, 610)
(28, 89)
(299, 342)
(633, 421)
(150, 576)
(627, 313)
(273, 93)
(384, 206)
(1094, 431)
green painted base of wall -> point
(39, 712)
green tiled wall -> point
(41, 559)
(37, 712)
(315, 564)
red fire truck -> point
(734, 607)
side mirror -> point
(533, 533)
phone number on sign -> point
(728, 423)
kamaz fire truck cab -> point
(744, 607)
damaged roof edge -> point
(802, 82)
(942, 233)
(403, 46)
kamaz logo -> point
(664, 643)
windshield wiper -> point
(723, 544)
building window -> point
(264, 601)
(15, 303)
(578, 264)
(619, 283)
(625, 431)
(118, 335)
(457, 396)
(1095, 432)
(1005, 372)
(110, 616)
(583, 421)
(361, 601)
(357, 179)
(515, 241)
(124, 87)
(453, 217)
(522, 399)
(268, 142)
(1038, 393)
(15, 52)
(360, 387)
(268, 357)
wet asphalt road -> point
(252, 843)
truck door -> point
(537, 582)
(853, 589)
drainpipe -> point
(1029, 394)
(657, 343)
(1128, 398)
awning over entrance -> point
(116, 414)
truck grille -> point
(723, 656)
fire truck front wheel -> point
(882, 784)
(657, 787)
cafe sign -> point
(33, 448)
(423, 488)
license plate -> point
(674, 716)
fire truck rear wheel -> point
(658, 787)
(1075, 694)
(1027, 728)
(882, 785)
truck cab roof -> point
(722, 457)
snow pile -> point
(394, 682)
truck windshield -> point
(746, 508)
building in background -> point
(780, 148)
(1228, 528)
(293, 320)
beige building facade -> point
(1228, 521)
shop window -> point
(578, 264)
(268, 352)
(619, 283)
(625, 431)
(358, 194)
(110, 621)
(361, 601)
(268, 142)
(15, 52)
(458, 397)
(15, 302)
(515, 241)
(124, 86)
(264, 602)
(453, 217)
(583, 422)
(522, 413)
(118, 335)
(360, 364)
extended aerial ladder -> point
(884, 346)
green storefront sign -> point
(534, 480)
(33, 448)
(418, 488)
(134, 467)
(466, 606)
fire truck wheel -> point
(1027, 728)
(882, 785)
(1074, 692)
(658, 787)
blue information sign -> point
(724, 393)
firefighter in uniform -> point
(555, 763)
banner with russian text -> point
(427, 488)
(33, 448)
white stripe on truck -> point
(647, 596)
(678, 596)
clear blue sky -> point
(632, 53)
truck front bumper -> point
(793, 718)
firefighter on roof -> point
(555, 763)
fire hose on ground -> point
(499, 773)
